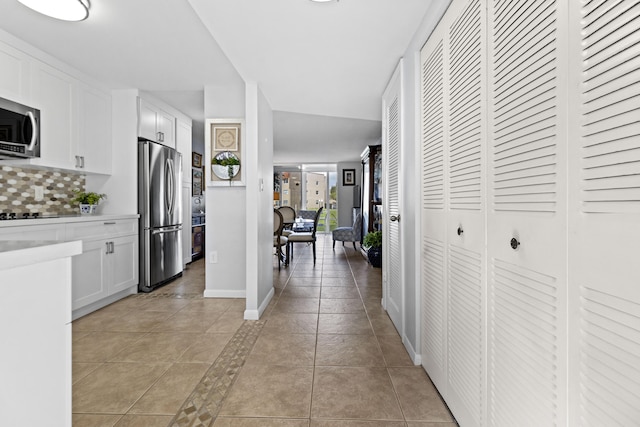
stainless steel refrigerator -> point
(159, 205)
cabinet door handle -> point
(395, 218)
(82, 162)
(78, 161)
(109, 223)
(460, 231)
(108, 248)
(514, 243)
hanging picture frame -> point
(224, 151)
(348, 177)
(196, 159)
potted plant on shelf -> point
(87, 201)
(373, 244)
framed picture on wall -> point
(196, 182)
(348, 177)
(224, 152)
(196, 160)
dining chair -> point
(278, 239)
(289, 217)
(348, 234)
(305, 237)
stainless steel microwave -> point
(19, 130)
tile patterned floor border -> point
(201, 407)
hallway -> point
(324, 354)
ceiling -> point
(322, 67)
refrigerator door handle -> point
(167, 230)
(170, 190)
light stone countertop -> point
(64, 219)
(15, 253)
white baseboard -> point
(256, 314)
(214, 293)
(415, 357)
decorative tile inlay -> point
(202, 406)
(17, 190)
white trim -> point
(216, 293)
(256, 314)
(415, 357)
(83, 311)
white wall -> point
(410, 158)
(225, 207)
(259, 180)
(345, 194)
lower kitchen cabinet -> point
(107, 269)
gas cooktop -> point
(26, 215)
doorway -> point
(307, 187)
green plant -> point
(87, 198)
(227, 161)
(373, 239)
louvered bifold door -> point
(393, 295)
(526, 234)
(433, 215)
(604, 215)
(466, 275)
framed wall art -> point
(224, 149)
(196, 160)
(196, 182)
(348, 177)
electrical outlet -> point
(213, 257)
(39, 192)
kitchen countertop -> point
(63, 219)
(19, 253)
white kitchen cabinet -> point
(54, 95)
(89, 273)
(92, 153)
(14, 74)
(75, 122)
(109, 262)
(156, 124)
(34, 232)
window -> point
(285, 181)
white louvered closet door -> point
(433, 214)
(393, 291)
(604, 261)
(526, 218)
(466, 261)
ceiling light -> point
(66, 10)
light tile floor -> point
(324, 354)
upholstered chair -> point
(349, 234)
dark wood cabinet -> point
(371, 189)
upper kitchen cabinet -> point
(54, 96)
(183, 145)
(93, 151)
(156, 124)
(14, 74)
(75, 122)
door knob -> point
(395, 218)
(460, 231)
(514, 243)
